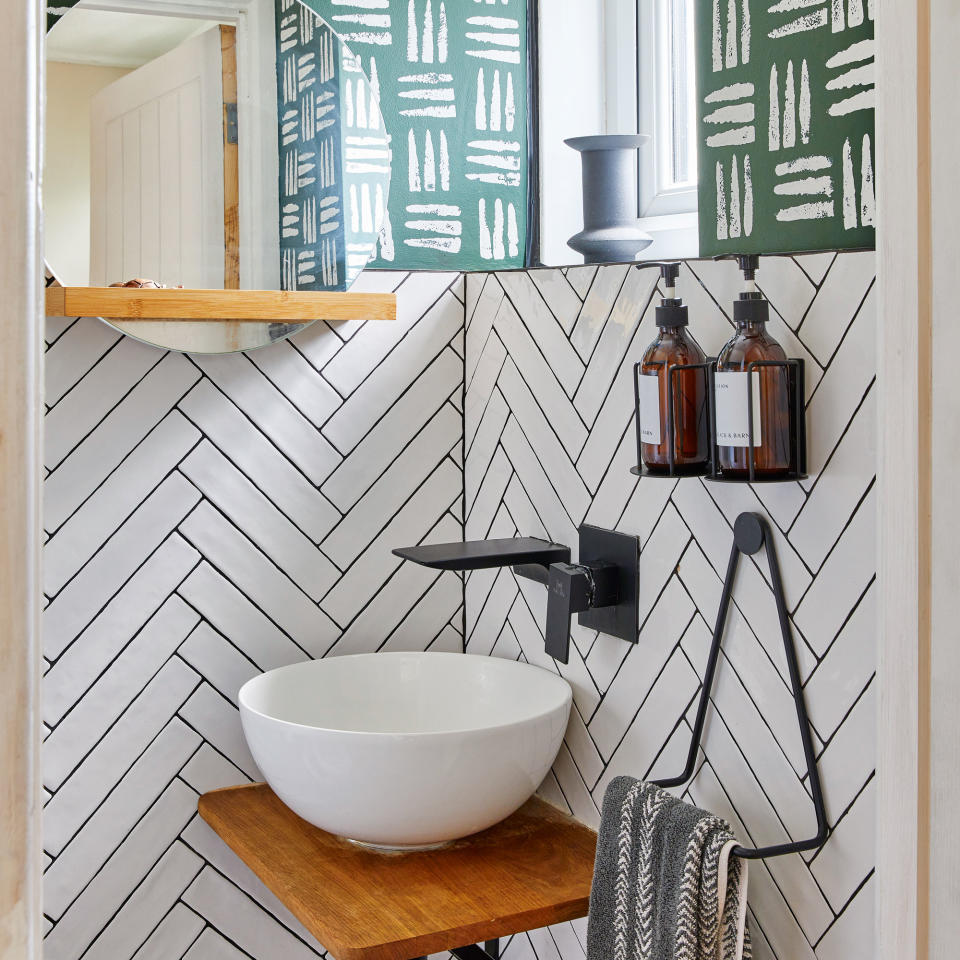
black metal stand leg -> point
(489, 951)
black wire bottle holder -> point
(712, 470)
(669, 424)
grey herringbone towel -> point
(665, 886)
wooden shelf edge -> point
(531, 870)
(244, 306)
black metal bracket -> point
(750, 533)
(489, 951)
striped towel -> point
(665, 886)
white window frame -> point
(634, 78)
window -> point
(667, 109)
(650, 87)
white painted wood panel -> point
(157, 171)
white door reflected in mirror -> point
(196, 153)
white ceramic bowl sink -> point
(405, 749)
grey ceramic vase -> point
(611, 231)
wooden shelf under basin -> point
(250, 306)
(531, 870)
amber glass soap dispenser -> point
(673, 347)
(771, 390)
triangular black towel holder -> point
(750, 533)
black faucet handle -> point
(569, 591)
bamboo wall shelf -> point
(533, 869)
(252, 306)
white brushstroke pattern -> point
(866, 100)
(429, 165)
(443, 94)
(735, 213)
(789, 109)
(498, 56)
(855, 13)
(445, 112)
(496, 39)
(443, 36)
(364, 19)
(821, 210)
(435, 209)
(789, 6)
(732, 138)
(732, 113)
(721, 204)
(861, 76)
(486, 244)
(809, 21)
(733, 91)
(499, 251)
(426, 50)
(513, 233)
(446, 244)
(498, 23)
(413, 163)
(745, 32)
(717, 39)
(849, 188)
(805, 107)
(496, 117)
(730, 60)
(808, 186)
(510, 110)
(452, 227)
(480, 116)
(444, 162)
(868, 199)
(855, 53)
(803, 165)
(500, 145)
(773, 130)
(838, 18)
(747, 196)
(413, 53)
(504, 179)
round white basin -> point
(405, 749)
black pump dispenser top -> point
(751, 307)
(672, 312)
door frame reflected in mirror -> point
(258, 198)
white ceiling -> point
(118, 39)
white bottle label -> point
(649, 389)
(731, 403)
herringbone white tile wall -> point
(209, 518)
(549, 440)
(212, 518)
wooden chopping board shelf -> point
(252, 306)
(533, 869)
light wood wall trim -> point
(21, 280)
(131, 303)
(231, 162)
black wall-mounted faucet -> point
(601, 588)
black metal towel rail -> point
(750, 532)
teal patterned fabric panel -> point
(786, 101)
(452, 81)
(334, 169)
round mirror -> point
(186, 152)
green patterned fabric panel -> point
(452, 82)
(785, 125)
